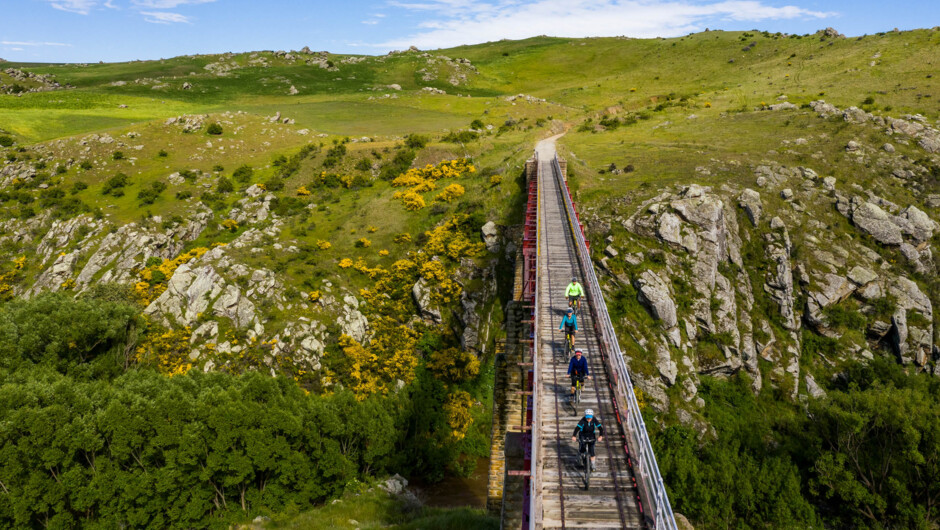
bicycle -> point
(569, 343)
(577, 390)
(586, 463)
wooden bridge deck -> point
(611, 500)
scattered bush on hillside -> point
(363, 243)
(274, 183)
(162, 153)
(218, 168)
(334, 155)
(477, 124)
(5, 141)
(85, 165)
(364, 164)
(183, 195)
(214, 129)
(224, 186)
(149, 195)
(117, 155)
(114, 186)
(451, 193)
(78, 186)
(243, 174)
(416, 141)
(398, 165)
(461, 137)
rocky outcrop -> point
(654, 294)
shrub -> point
(363, 164)
(61, 169)
(398, 165)
(149, 195)
(224, 186)
(363, 243)
(345, 263)
(5, 141)
(218, 168)
(323, 245)
(86, 165)
(496, 180)
(230, 225)
(476, 124)
(113, 186)
(334, 155)
(118, 155)
(162, 153)
(402, 238)
(451, 193)
(416, 141)
(78, 186)
(460, 137)
(274, 183)
(214, 129)
(243, 174)
(183, 195)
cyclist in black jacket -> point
(584, 433)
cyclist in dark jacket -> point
(584, 433)
(577, 369)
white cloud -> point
(167, 4)
(81, 7)
(163, 17)
(460, 22)
(15, 49)
(31, 43)
(370, 22)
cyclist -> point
(584, 434)
(570, 325)
(577, 369)
(574, 292)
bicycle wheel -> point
(577, 393)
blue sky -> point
(120, 30)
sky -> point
(124, 30)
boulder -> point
(862, 276)
(490, 234)
(422, 296)
(750, 201)
(670, 228)
(871, 219)
(654, 293)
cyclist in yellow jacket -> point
(574, 292)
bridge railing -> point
(655, 503)
(535, 470)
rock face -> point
(654, 293)
(871, 219)
(422, 297)
(490, 234)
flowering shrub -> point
(345, 263)
(457, 408)
(402, 238)
(363, 243)
(303, 191)
(391, 356)
(7, 279)
(708, 104)
(413, 202)
(68, 284)
(323, 245)
(451, 193)
(454, 365)
(383, 252)
(373, 229)
(230, 225)
(165, 349)
(421, 180)
(314, 296)
(496, 180)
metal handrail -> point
(652, 489)
(535, 471)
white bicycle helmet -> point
(589, 413)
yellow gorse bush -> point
(303, 191)
(345, 263)
(451, 193)
(323, 245)
(230, 225)
(7, 279)
(421, 180)
(167, 350)
(459, 418)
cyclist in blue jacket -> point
(570, 325)
(577, 369)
